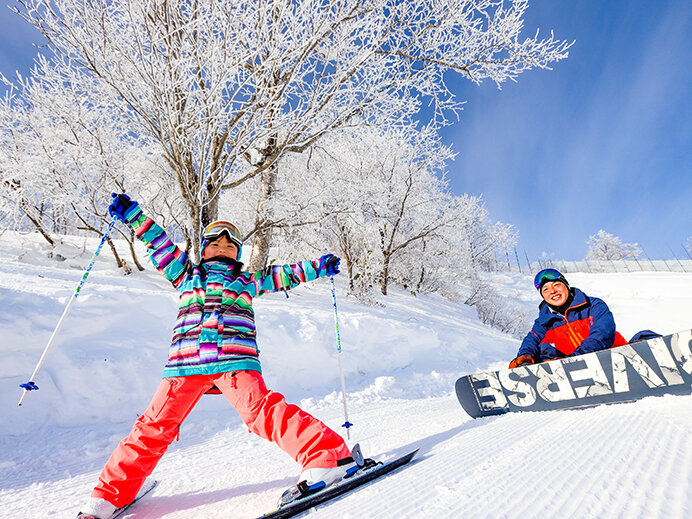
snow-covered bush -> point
(497, 311)
(604, 246)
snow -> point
(401, 357)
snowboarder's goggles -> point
(546, 275)
(216, 229)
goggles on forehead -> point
(546, 275)
(216, 229)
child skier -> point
(214, 346)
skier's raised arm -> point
(166, 256)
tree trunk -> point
(39, 227)
(261, 240)
(385, 264)
(421, 278)
(118, 260)
(196, 220)
(344, 242)
(134, 255)
(210, 212)
(385, 275)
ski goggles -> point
(546, 275)
(216, 229)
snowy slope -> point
(401, 360)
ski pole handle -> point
(31, 384)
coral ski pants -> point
(266, 413)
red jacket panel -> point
(587, 326)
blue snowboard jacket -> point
(588, 325)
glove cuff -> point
(132, 213)
(321, 266)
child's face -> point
(220, 247)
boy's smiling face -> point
(555, 293)
(220, 247)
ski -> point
(360, 478)
(645, 368)
(148, 487)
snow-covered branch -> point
(226, 89)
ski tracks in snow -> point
(629, 460)
(619, 461)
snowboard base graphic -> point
(646, 368)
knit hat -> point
(546, 275)
(219, 227)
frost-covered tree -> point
(455, 255)
(496, 310)
(384, 193)
(60, 159)
(604, 246)
(378, 198)
(484, 240)
(226, 89)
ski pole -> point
(31, 384)
(346, 424)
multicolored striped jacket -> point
(587, 326)
(215, 328)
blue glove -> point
(120, 205)
(331, 263)
(549, 352)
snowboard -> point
(645, 368)
(146, 488)
(360, 478)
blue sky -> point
(603, 141)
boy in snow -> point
(569, 323)
(214, 346)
